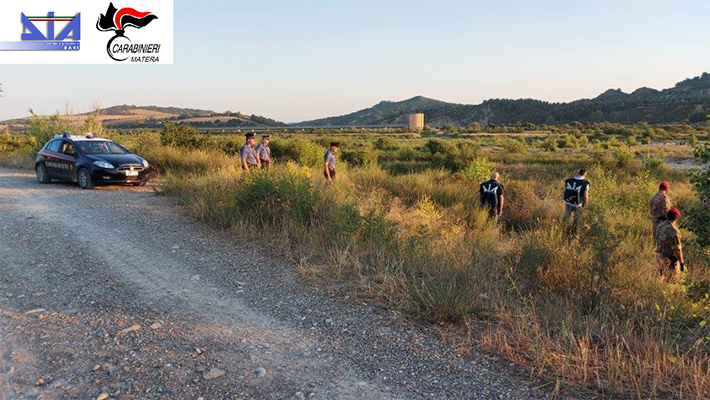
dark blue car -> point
(89, 161)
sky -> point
(295, 60)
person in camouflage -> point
(659, 206)
(670, 250)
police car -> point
(89, 160)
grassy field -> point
(585, 312)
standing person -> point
(248, 154)
(329, 161)
(492, 197)
(576, 195)
(659, 206)
(264, 152)
(670, 250)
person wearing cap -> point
(329, 161)
(668, 246)
(576, 195)
(264, 152)
(491, 195)
(249, 157)
(659, 206)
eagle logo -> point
(490, 189)
(118, 20)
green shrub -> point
(624, 157)
(231, 147)
(181, 135)
(693, 140)
(182, 160)
(359, 157)
(514, 146)
(43, 129)
(479, 170)
(568, 142)
(699, 219)
(302, 151)
(653, 161)
(549, 144)
(452, 155)
(386, 144)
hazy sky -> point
(297, 60)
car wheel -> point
(41, 171)
(84, 179)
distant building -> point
(415, 122)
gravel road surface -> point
(114, 294)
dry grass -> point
(585, 312)
(17, 160)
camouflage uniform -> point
(668, 244)
(659, 206)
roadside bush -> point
(43, 129)
(15, 143)
(182, 160)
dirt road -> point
(112, 292)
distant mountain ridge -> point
(687, 100)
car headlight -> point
(103, 164)
(145, 164)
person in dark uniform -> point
(576, 195)
(329, 161)
(264, 152)
(492, 197)
(249, 157)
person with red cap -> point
(670, 250)
(659, 206)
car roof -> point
(77, 138)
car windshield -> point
(101, 147)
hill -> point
(382, 113)
(172, 111)
(689, 99)
(137, 117)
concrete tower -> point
(415, 122)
